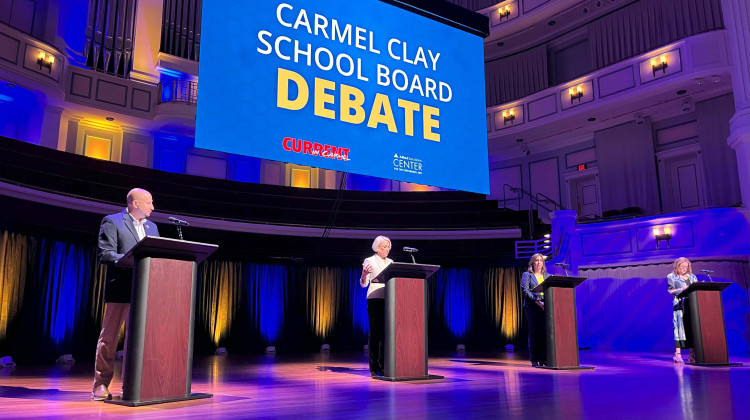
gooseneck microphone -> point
(564, 267)
(708, 273)
(178, 222)
(411, 252)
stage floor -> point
(503, 385)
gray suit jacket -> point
(117, 236)
(528, 282)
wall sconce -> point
(666, 236)
(660, 65)
(575, 93)
(504, 12)
(45, 60)
(508, 115)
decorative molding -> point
(5, 51)
(137, 98)
(123, 94)
(548, 100)
(76, 82)
(610, 78)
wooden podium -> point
(159, 349)
(406, 315)
(560, 315)
(707, 317)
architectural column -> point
(565, 244)
(736, 18)
(50, 135)
(148, 23)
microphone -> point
(707, 271)
(564, 267)
(178, 222)
(411, 252)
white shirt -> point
(139, 229)
(375, 290)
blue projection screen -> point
(358, 86)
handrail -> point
(185, 91)
(557, 205)
(533, 198)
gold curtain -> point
(220, 297)
(97, 294)
(14, 252)
(323, 298)
(503, 300)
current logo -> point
(307, 147)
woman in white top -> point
(371, 267)
(678, 280)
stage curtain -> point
(14, 254)
(219, 298)
(503, 300)
(63, 284)
(323, 299)
(629, 308)
(648, 24)
(627, 171)
(357, 300)
(267, 297)
(453, 297)
(516, 76)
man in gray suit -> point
(118, 233)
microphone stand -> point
(411, 254)
(179, 231)
(564, 267)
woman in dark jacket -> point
(533, 307)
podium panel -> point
(159, 345)
(167, 330)
(707, 318)
(560, 316)
(562, 334)
(408, 341)
(406, 321)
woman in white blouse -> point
(371, 267)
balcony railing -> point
(184, 91)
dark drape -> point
(627, 172)
(718, 158)
(648, 24)
(516, 76)
(474, 4)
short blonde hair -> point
(678, 262)
(531, 263)
(379, 240)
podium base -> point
(714, 364)
(566, 367)
(407, 378)
(120, 401)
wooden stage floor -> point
(503, 385)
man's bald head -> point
(140, 203)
